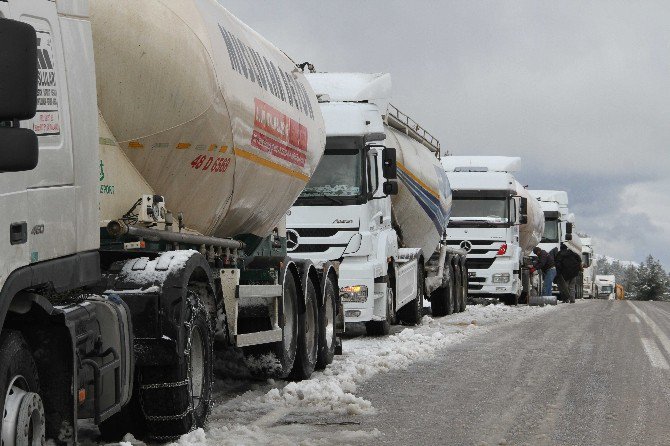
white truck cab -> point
(605, 286)
(354, 213)
(558, 227)
(489, 209)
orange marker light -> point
(135, 145)
(183, 145)
(81, 396)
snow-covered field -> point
(287, 413)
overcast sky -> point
(580, 90)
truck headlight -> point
(354, 293)
(501, 278)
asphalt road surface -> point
(592, 373)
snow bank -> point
(291, 413)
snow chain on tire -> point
(195, 305)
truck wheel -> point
(510, 299)
(442, 299)
(382, 328)
(23, 421)
(308, 336)
(327, 335)
(465, 287)
(458, 298)
(176, 399)
(412, 312)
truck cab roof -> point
(374, 88)
(507, 164)
(481, 181)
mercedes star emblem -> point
(291, 239)
(466, 244)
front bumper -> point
(480, 281)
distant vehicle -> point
(589, 272)
(605, 286)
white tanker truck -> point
(387, 237)
(145, 218)
(498, 223)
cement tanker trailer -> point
(497, 222)
(151, 231)
(387, 236)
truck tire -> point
(176, 399)
(307, 349)
(327, 334)
(19, 392)
(458, 298)
(283, 353)
(442, 299)
(412, 312)
(466, 285)
(382, 328)
(510, 299)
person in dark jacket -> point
(545, 262)
(568, 265)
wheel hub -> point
(22, 416)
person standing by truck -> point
(568, 266)
(545, 263)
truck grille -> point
(316, 248)
(473, 263)
(317, 232)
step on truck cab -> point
(495, 220)
(385, 236)
(145, 231)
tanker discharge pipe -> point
(118, 228)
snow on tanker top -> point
(211, 114)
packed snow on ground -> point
(288, 413)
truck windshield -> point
(494, 210)
(550, 231)
(339, 174)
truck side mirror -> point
(568, 237)
(568, 230)
(18, 95)
(523, 220)
(390, 188)
(389, 166)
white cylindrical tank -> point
(531, 232)
(423, 204)
(212, 115)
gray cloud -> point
(580, 90)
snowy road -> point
(593, 373)
(332, 407)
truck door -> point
(50, 187)
(14, 209)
